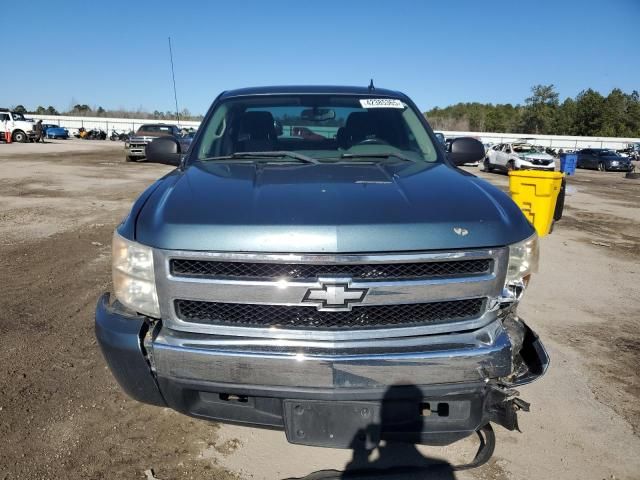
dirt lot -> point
(63, 416)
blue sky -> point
(115, 54)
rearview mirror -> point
(318, 114)
(165, 150)
(465, 150)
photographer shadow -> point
(391, 458)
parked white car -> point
(518, 156)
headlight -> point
(523, 259)
(133, 277)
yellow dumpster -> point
(536, 192)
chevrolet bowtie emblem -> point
(334, 296)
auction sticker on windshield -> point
(381, 103)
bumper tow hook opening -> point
(485, 451)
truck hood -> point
(327, 208)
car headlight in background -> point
(523, 262)
(133, 276)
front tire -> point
(19, 136)
(602, 167)
(486, 165)
(511, 166)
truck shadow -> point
(390, 459)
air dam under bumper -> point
(433, 389)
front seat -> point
(256, 132)
(358, 127)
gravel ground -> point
(63, 416)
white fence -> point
(107, 124)
(553, 141)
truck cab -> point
(345, 286)
(20, 128)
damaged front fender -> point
(530, 362)
(530, 358)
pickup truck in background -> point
(20, 128)
(345, 287)
(136, 145)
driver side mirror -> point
(165, 150)
(465, 150)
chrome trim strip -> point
(337, 259)
(483, 336)
(372, 333)
(292, 293)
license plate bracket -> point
(332, 424)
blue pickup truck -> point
(318, 264)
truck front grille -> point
(337, 296)
(361, 317)
(373, 271)
(536, 161)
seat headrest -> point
(257, 126)
(359, 125)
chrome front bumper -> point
(477, 356)
(135, 151)
(463, 379)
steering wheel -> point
(373, 141)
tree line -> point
(588, 114)
(84, 110)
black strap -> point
(485, 451)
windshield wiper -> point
(260, 155)
(399, 156)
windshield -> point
(526, 148)
(320, 127)
(168, 129)
(607, 153)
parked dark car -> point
(604, 160)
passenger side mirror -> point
(165, 150)
(465, 150)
